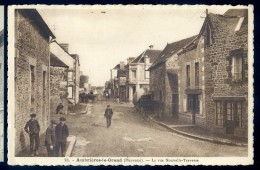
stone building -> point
(32, 58)
(61, 50)
(58, 83)
(138, 75)
(163, 78)
(226, 72)
(205, 80)
(1, 95)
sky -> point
(103, 36)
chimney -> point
(65, 47)
(207, 12)
(150, 46)
(130, 59)
(121, 65)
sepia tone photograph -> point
(130, 85)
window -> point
(239, 114)
(70, 92)
(70, 76)
(229, 111)
(237, 68)
(32, 84)
(237, 63)
(197, 73)
(219, 114)
(134, 74)
(188, 75)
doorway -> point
(175, 105)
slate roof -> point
(38, 20)
(151, 53)
(170, 50)
(236, 12)
(230, 19)
(55, 61)
(117, 66)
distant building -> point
(32, 58)
(138, 76)
(121, 80)
(113, 81)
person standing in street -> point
(32, 127)
(108, 115)
(61, 134)
(50, 139)
(59, 108)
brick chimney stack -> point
(121, 65)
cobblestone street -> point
(131, 136)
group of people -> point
(55, 137)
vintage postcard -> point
(130, 85)
(1, 83)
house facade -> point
(138, 75)
(226, 72)
(61, 50)
(32, 58)
(164, 78)
(205, 80)
(58, 84)
(214, 72)
(113, 82)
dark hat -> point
(53, 122)
(108, 105)
(33, 115)
(62, 119)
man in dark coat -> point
(108, 115)
(59, 108)
(32, 127)
(50, 138)
(61, 134)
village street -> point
(131, 136)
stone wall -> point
(194, 55)
(31, 49)
(58, 88)
(218, 71)
(157, 82)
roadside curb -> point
(72, 140)
(225, 142)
